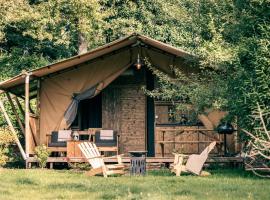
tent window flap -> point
(72, 110)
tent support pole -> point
(38, 99)
(27, 115)
(12, 130)
(15, 113)
(38, 105)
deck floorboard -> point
(148, 160)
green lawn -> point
(66, 184)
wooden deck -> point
(52, 160)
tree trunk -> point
(82, 44)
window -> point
(167, 114)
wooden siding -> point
(123, 110)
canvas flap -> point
(56, 92)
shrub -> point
(42, 154)
(79, 166)
(6, 139)
(257, 156)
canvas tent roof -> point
(15, 84)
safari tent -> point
(102, 89)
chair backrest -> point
(92, 154)
(195, 162)
(209, 148)
(105, 140)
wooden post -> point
(27, 115)
(163, 144)
(38, 98)
(12, 130)
(15, 112)
(198, 137)
(51, 165)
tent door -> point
(89, 113)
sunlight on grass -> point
(64, 184)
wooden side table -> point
(137, 162)
(73, 150)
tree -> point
(39, 32)
(164, 20)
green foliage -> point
(166, 21)
(41, 154)
(79, 166)
(203, 90)
(36, 33)
(248, 82)
(6, 139)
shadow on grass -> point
(108, 196)
(233, 173)
(161, 172)
(184, 193)
(5, 192)
(132, 192)
(26, 181)
(70, 186)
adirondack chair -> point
(194, 163)
(96, 160)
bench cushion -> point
(105, 143)
(54, 141)
(57, 144)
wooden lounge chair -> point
(93, 156)
(194, 163)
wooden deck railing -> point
(173, 139)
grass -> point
(64, 184)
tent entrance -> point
(89, 114)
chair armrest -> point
(118, 157)
(115, 156)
